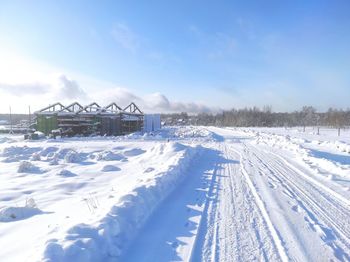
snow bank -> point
(112, 234)
(35, 157)
(72, 157)
(28, 167)
(134, 152)
(9, 214)
(335, 145)
(6, 140)
(280, 141)
(193, 133)
(321, 162)
(48, 151)
(109, 156)
(66, 173)
(110, 168)
(17, 153)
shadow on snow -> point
(174, 221)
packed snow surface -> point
(178, 194)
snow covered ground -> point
(181, 194)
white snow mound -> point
(112, 234)
(9, 214)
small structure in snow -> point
(151, 122)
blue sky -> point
(176, 55)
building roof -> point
(90, 109)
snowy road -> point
(244, 202)
(181, 194)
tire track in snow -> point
(277, 241)
(170, 232)
(209, 214)
(333, 205)
(310, 179)
(250, 231)
(326, 213)
(207, 241)
(288, 221)
(234, 228)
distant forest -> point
(16, 118)
(264, 117)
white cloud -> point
(161, 103)
(150, 103)
(125, 37)
(22, 89)
(121, 96)
(157, 100)
(42, 85)
(60, 88)
(69, 89)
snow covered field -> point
(182, 194)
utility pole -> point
(11, 131)
(30, 119)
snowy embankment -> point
(328, 160)
(83, 199)
(113, 233)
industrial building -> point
(92, 119)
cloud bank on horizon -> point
(67, 91)
(54, 87)
(27, 82)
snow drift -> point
(112, 234)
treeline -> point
(264, 117)
(15, 118)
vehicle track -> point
(276, 239)
(249, 204)
(238, 226)
(325, 213)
